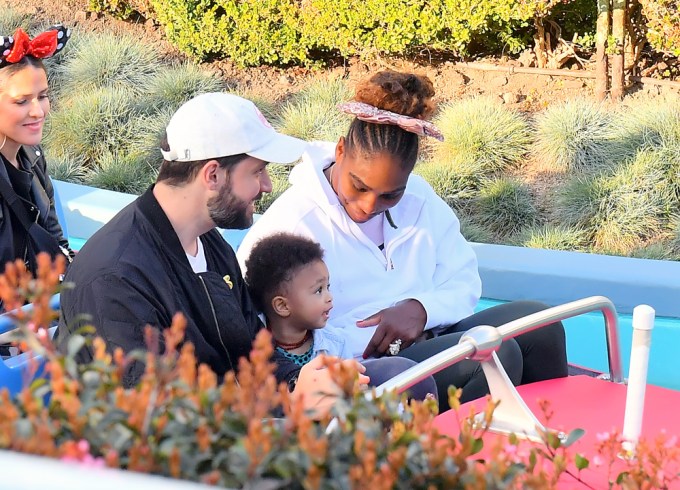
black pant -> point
(382, 369)
(533, 356)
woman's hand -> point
(405, 320)
(317, 388)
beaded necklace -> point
(294, 345)
(298, 359)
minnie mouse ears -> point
(14, 48)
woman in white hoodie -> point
(405, 281)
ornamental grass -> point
(312, 113)
(483, 133)
(552, 237)
(574, 136)
(505, 206)
(106, 60)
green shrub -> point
(652, 131)
(661, 250)
(118, 8)
(643, 124)
(10, 19)
(250, 32)
(150, 133)
(667, 160)
(552, 237)
(577, 202)
(576, 135)
(279, 177)
(172, 86)
(505, 206)
(621, 209)
(108, 60)
(487, 24)
(95, 122)
(370, 27)
(312, 114)
(456, 182)
(122, 9)
(474, 232)
(253, 32)
(663, 25)
(54, 65)
(68, 169)
(120, 172)
(482, 132)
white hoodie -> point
(425, 258)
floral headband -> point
(369, 113)
(14, 48)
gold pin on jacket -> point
(227, 279)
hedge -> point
(308, 32)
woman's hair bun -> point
(408, 94)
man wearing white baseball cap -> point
(217, 125)
(162, 254)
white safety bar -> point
(480, 343)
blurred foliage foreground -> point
(180, 422)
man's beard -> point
(229, 211)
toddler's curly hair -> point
(273, 261)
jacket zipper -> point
(391, 246)
(28, 237)
(217, 326)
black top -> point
(20, 180)
(32, 184)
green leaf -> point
(573, 436)
(86, 330)
(41, 391)
(553, 439)
(581, 462)
(37, 383)
(532, 461)
(71, 367)
(75, 343)
(477, 445)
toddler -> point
(290, 284)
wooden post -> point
(539, 43)
(619, 36)
(601, 60)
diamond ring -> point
(395, 347)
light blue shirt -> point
(330, 342)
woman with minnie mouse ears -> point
(28, 219)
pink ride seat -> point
(591, 404)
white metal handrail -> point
(466, 349)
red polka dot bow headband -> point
(14, 48)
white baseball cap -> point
(217, 125)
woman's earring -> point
(3, 143)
